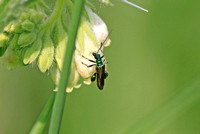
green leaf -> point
(42, 120)
(47, 54)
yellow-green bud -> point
(32, 52)
(15, 28)
(3, 40)
(46, 57)
(37, 18)
(13, 42)
(7, 28)
(24, 16)
(26, 39)
(28, 25)
(32, 11)
(3, 43)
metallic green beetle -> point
(100, 73)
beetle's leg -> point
(88, 59)
(88, 65)
(104, 61)
(102, 56)
(105, 74)
(93, 77)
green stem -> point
(69, 5)
(61, 95)
(41, 122)
(56, 13)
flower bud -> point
(47, 54)
(16, 28)
(24, 16)
(32, 52)
(37, 18)
(28, 25)
(26, 39)
(3, 43)
(3, 40)
(7, 28)
(13, 42)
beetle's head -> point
(96, 56)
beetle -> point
(101, 72)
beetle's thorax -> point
(98, 60)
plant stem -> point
(56, 13)
(69, 5)
(40, 124)
(61, 95)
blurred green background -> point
(152, 56)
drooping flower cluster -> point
(37, 38)
(22, 38)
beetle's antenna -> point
(104, 41)
(126, 1)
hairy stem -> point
(61, 95)
(56, 13)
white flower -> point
(89, 46)
(90, 35)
